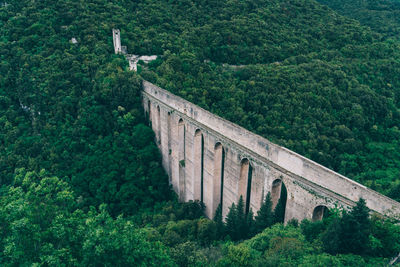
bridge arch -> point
(198, 161)
(279, 198)
(218, 179)
(181, 158)
(158, 119)
(319, 213)
(246, 173)
(149, 110)
(169, 146)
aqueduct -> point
(215, 161)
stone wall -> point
(117, 41)
(203, 153)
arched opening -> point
(149, 110)
(158, 125)
(169, 145)
(246, 173)
(198, 165)
(319, 213)
(276, 192)
(279, 198)
(181, 159)
(219, 161)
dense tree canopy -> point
(81, 182)
(72, 109)
(382, 16)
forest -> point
(81, 182)
(382, 16)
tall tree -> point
(231, 222)
(219, 222)
(241, 219)
(265, 215)
(250, 224)
(355, 229)
(331, 237)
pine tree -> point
(250, 224)
(231, 222)
(349, 234)
(241, 219)
(220, 224)
(355, 229)
(238, 224)
(331, 237)
(265, 216)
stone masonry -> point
(213, 160)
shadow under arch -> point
(181, 158)
(198, 165)
(246, 173)
(169, 145)
(149, 110)
(158, 119)
(218, 187)
(320, 212)
(279, 199)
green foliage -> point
(241, 220)
(384, 238)
(188, 254)
(275, 246)
(354, 232)
(118, 242)
(190, 210)
(41, 225)
(239, 225)
(327, 260)
(265, 215)
(331, 237)
(395, 192)
(315, 82)
(293, 222)
(249, 225)
(355, 229)
(263, 241)
(72, 109)
(39, 222)
(206, 231)
(312, 230)
(350, 233)
(382, 16)
(240, 255)
(219, 222)
(232, 227)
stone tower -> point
(117, 41)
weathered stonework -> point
(117, 41)
(198, 148)
(132, 59)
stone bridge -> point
(215, 161)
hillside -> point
(313, 81)
(382, 16)
(81, 182)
